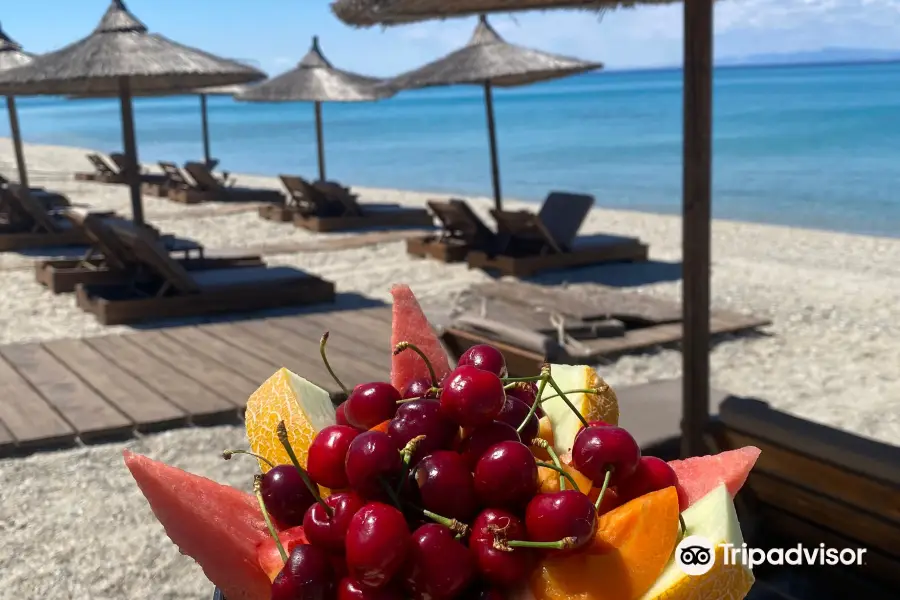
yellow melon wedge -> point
(602, 406)
(304, 407)
(713, 518)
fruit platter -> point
(451, 482)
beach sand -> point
(74, 525)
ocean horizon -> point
(813, 146)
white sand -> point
(73, 525)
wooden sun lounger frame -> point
(461, 232)
(814, 484)
(104, 170)
(178, 294)
(206, 187)
(302, 197)
(108, 261)
(528, 247)
(38, 229)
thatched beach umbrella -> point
(12, 57)
(696, 168)
(315, 80)
(203, 93)
(489, 61)
(120, 56)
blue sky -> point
(274, 34)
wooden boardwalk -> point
(54, 394)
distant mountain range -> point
(823, 56)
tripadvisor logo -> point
(696, 555)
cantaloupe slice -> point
(304, 407)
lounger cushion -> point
(245, 276)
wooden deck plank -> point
(263, 345)
(347, 334)
(147, 409)
(27, 415)
(200, 340)
(89, 413)
(201, 403)
(304, 346)
(207, 371)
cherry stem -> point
(257, 491)
(227, 454)
(537, 400)
(683, 525)
(567, 543)
(565, 398)
(603, 489)
(409, 345)
(542, 443)
(564, 475)
(322, 343)
(313, 488)
(593, 391)
(532, 379)
(410, 448)
(453, 525)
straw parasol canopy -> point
(12, 57)
(121, 56)
(488, 60)
(365, 13)
(315, 80)
(203, 93)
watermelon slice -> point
(216, 525)
(410, 325)
(700, 475)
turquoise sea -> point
(812, 146)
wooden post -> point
(320, 140)
(492, 139)
(207, 159)
(132, 170)
(697, 184)
(17, 141)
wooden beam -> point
(696, 190)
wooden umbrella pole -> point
(697, 183)
(492, 138)
(17, 141)
(320, 140)
(204, 116)
(132, 175)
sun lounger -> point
(327, 206)
(47, 198)
(104, 171)
(531, 243)
(174, 291)
(532, 324)
(207, 187)
(109, 261)
(817, 485)
(461, 231)
(29, 224)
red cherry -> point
(329, 531)
(377, 544)
(514, 412)
(564, 514)
(373, 457)
(485, 593)
(600, 449)
(652, 474)
(307, 575)
(484, 357)
(499, 567)
(370, 404)
(286, 495)
(422, 417)
(438, 567)
(472, 397)
(269, 557)
(477, 442)
(445, 485)
(350, 590)
(526, 391)
(339, 417)
(506, 475)
(327, 455)
(420, 388)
